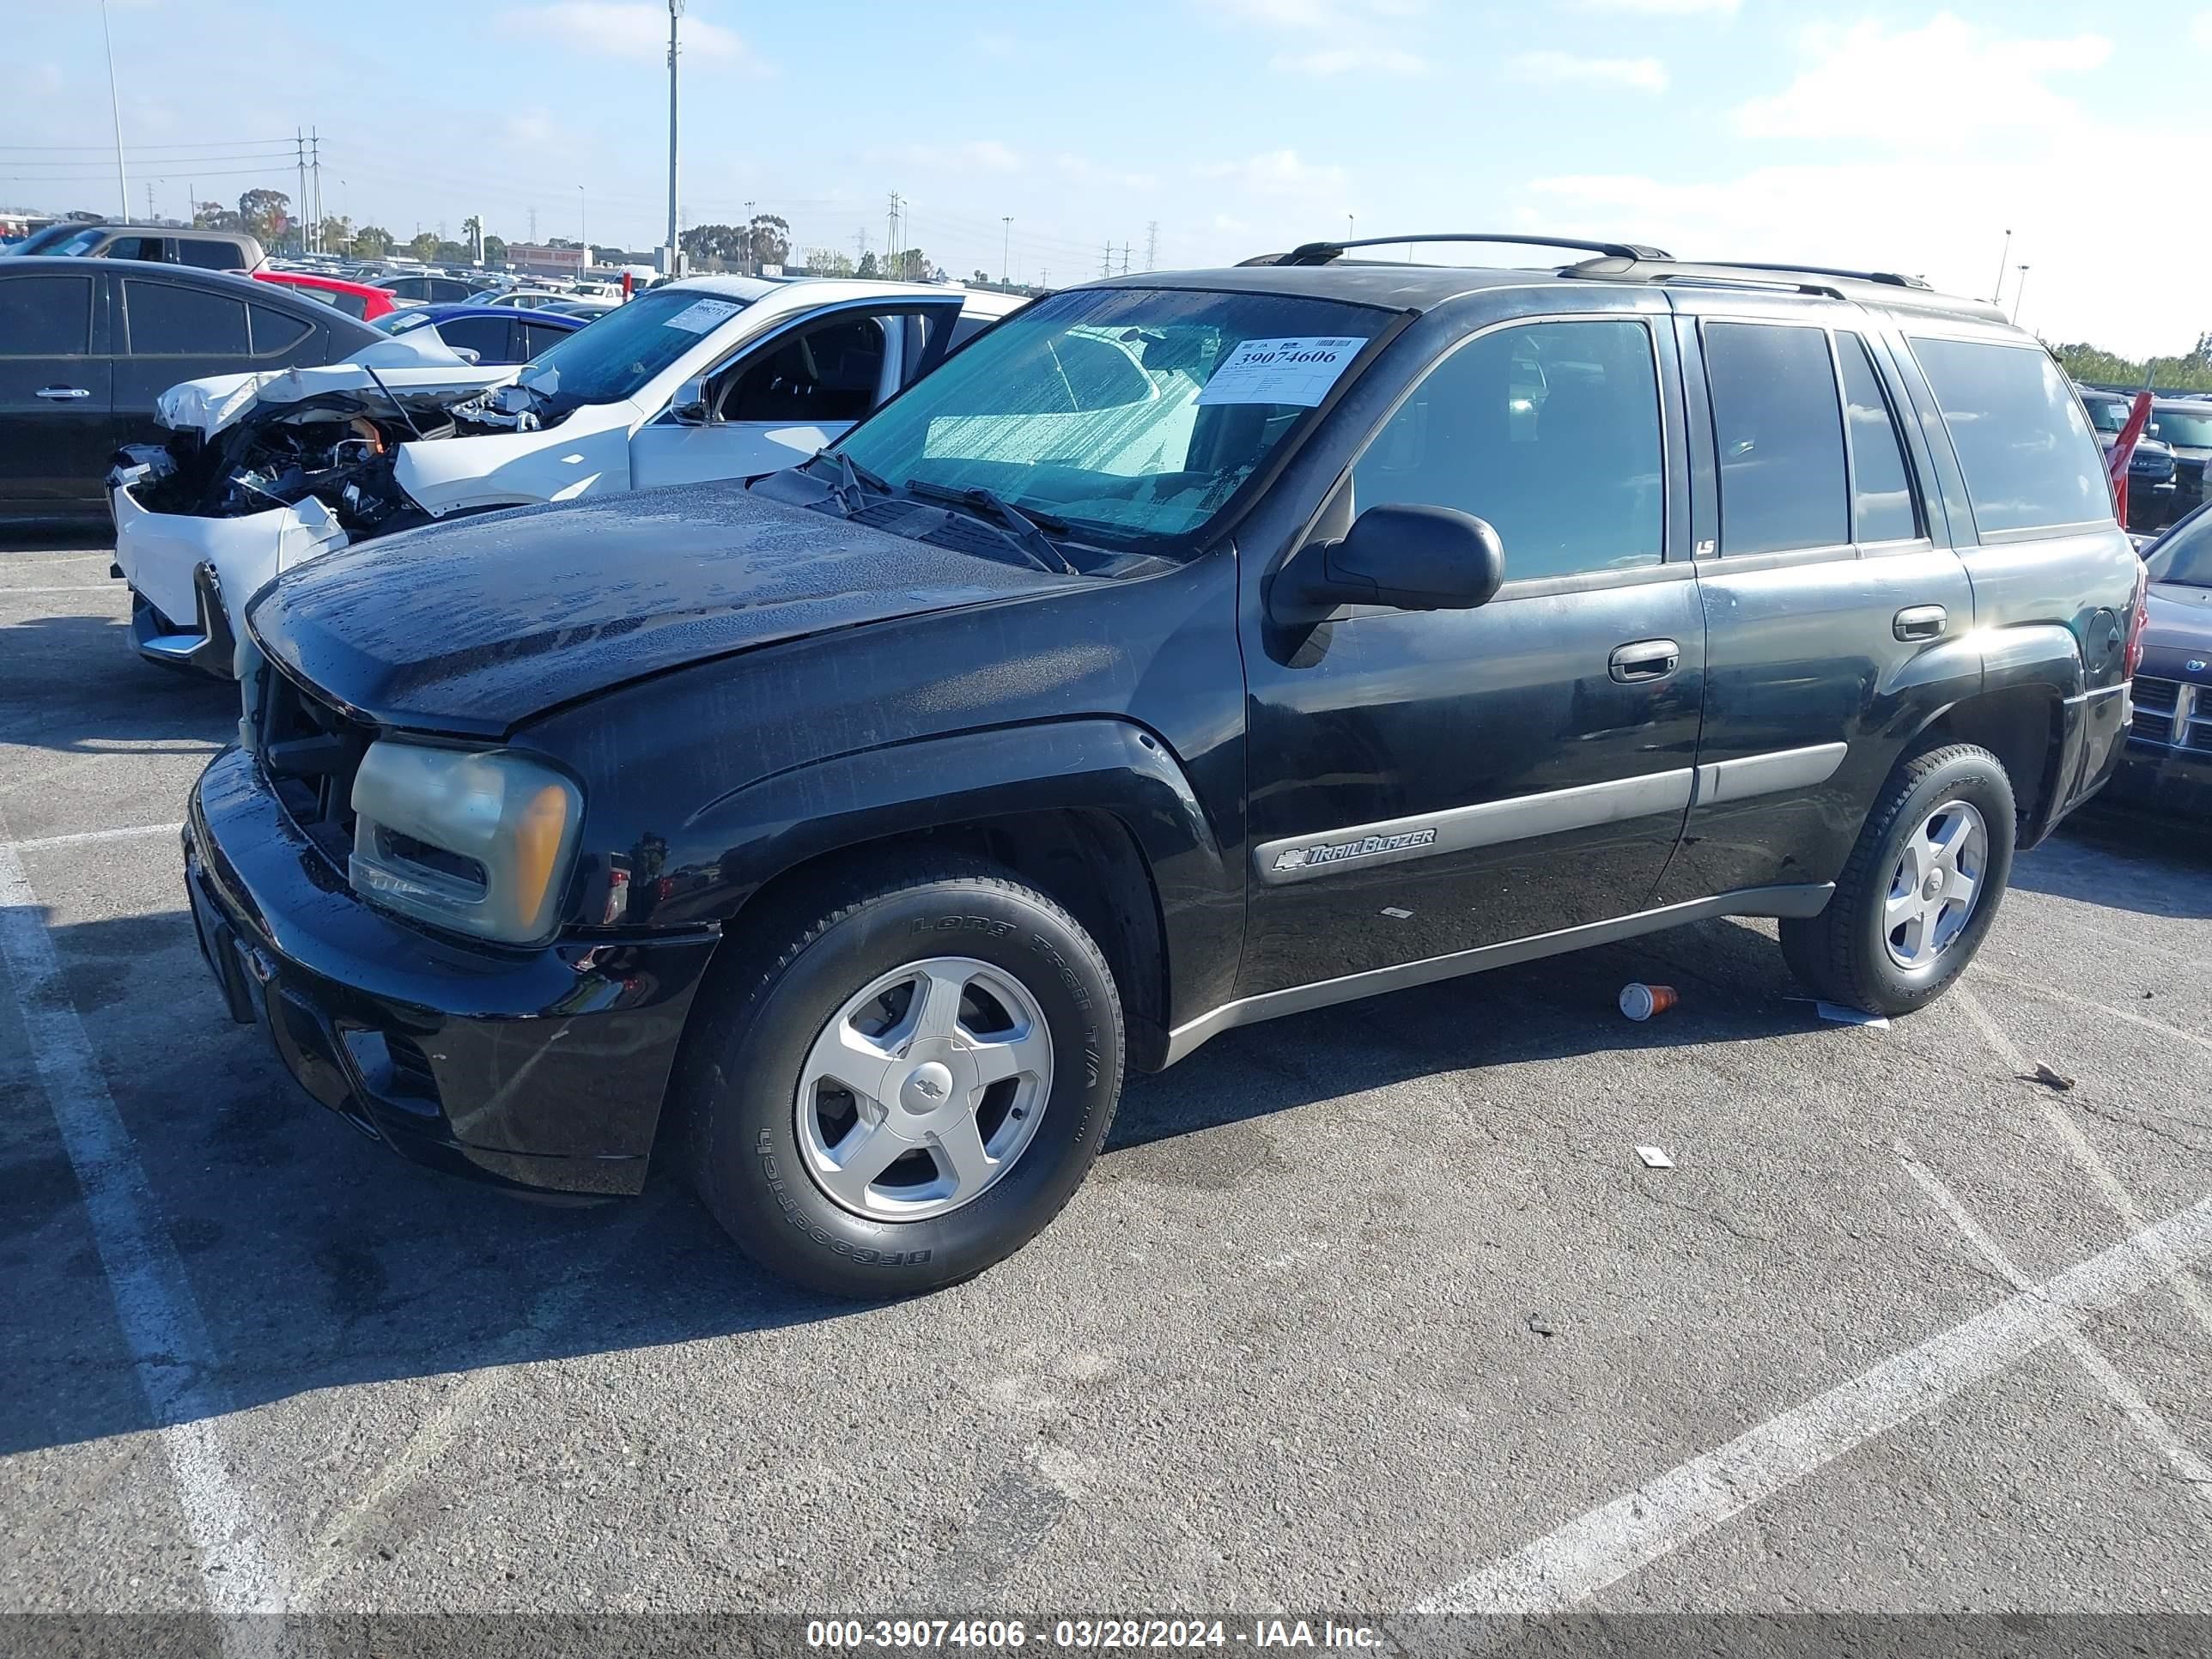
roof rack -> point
(1890, 277)
(1321, 253)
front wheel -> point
(906, 1081)
(1920, 890)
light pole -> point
(115, 109)
(675, 11)
(583, 241)
(1005, 243)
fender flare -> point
(1104, 764)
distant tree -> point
(214, 216)
(828, 262)
(265, 214)
(562, 241)
(495, 251)
(909, 265)
(712, 247)
(981, 279)
(372, 242)
(770, 241)
(2191, 371)
(455, 254)
(472, 232)
(867, 268)
(424, 247)
(334, 233)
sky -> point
(1885, 137)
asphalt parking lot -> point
(1362, 1313)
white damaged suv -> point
(717, 377)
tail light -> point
(2138, 619)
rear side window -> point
(137, 247)
(1778, 432)
(2021, 439)
(276, 331)
(168, 321)
(46, 316)
(1881, 489)
(1547, 431)
(207, 255)
(536, 339)
(485, 335)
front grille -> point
(2172, 713)
(310, 749)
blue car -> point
(495, 334)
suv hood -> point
(472, 627)
(423, 375)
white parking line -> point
(1614, 1540)
(2121, 1014)
(38, 844)
(2192, 1470)
(2084, 1152)
(160, 1320)
(73, 587)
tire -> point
(1019, 963)
(1852, 953)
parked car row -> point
(1183, 651)
(2165, 474)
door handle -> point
(1920, 622)
(61, 394)
(1646, 660)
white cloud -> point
(1326, 61)
(1276, 173)
(1948, 83)
(1567, 69)
(624, 28)
(1662, 7)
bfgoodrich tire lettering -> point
(1850, 952)
(810, 953)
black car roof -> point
(1420, 287)
(262, 294)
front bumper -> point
(206, 643)
(537, 1069)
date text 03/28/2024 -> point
(1104, 1634)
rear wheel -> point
(906, 1081)
(1920, 890)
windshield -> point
(2105, 414)
(1132, 415)
(2191, 429)
(80, 243)
(616, 356)
(2185, 554)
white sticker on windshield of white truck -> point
(1300, 370)
(702, 314)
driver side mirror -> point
(1409, 558)
(689, 406)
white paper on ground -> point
(1654, 1158)
(1297, 369)
(702, 315)
(1842, 1016)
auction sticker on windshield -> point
(704, 314)
(1300, 370)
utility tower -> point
(1153, 245)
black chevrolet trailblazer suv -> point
(1189, 650)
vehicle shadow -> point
(316, 1259)
(2107, 853)
(115, 697)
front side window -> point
(1133, 415)
(1881, 489)
(1778, 434)
(167, 321)
(829, 372)
(46, 316)
(209, 255)
(2022, 441)
(1548, 432)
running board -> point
(1808, 900)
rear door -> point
(787, 394)
(1833, 603)
(170, 332)
(55, 393)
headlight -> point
(480, 842)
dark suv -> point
(1190, 650)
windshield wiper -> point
(852, 475)
(1024, 531)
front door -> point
(54, 395)
(1424, 783)
(788, 395)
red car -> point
(355, 299)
